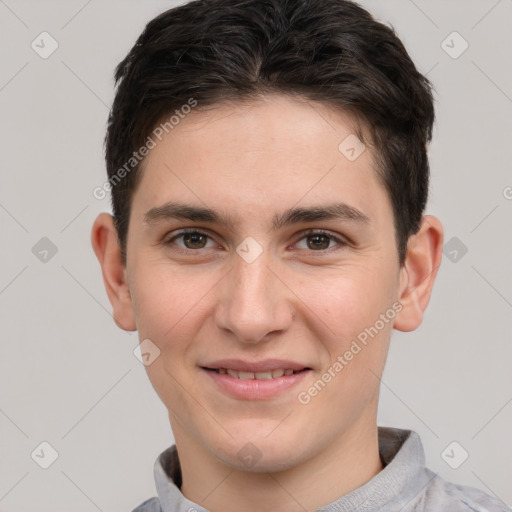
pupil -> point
(197, 240)
(318, 238)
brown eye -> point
(318, 241)
(194, 240)
(191, 241)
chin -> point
(262, 455)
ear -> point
(418, 273)
(106, 247)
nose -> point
(253, 303)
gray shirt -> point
(404, 485)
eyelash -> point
(341, 242)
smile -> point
(239, 374)
(255, 381)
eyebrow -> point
(336, 211)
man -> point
(268, 168)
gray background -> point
(68, 375)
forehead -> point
(259, 157)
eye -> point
(318, 240)
(191, 240)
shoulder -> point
(440, 495)
(151, 505)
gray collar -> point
(402, 478)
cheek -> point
(348, 301)
(169, 308)
(361, 316)
(166, 302)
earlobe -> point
(417, 276)
(104, 241)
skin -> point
(295, 301)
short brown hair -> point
(331, 51)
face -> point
(255, 246)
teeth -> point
(263, 375)
(274, 374)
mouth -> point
(265, 375)
(255, 380)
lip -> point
(255, 389)
(265, 365)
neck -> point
(342, 466)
